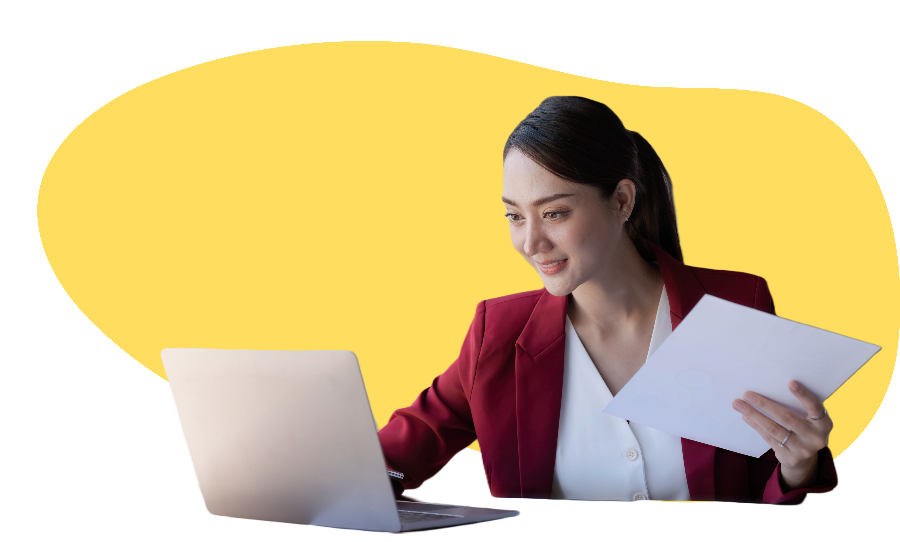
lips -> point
(551, 263)
(552, 267)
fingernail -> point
(745, 418)
(794, 386)
(750, 398)
(738, 405)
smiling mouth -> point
(552, 265)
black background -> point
(109, 449)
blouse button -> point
(631, 454)
(640, 497)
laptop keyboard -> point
(430, 508)
(408, 516)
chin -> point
(558, 289)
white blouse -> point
(605, 458)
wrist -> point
(802, 475)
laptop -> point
(289, 436)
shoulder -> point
(513, 305)
(513, 302)
(503, 318)
(736, 286)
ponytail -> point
(653, 217)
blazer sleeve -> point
(766, 484)
(420, 439)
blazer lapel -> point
(682, 287)
(684, 291)
(540, 351)
(539, 382)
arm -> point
(825, 479)
(801, 475)
(773, 482)
(420, 439)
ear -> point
(624, 196)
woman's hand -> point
(805, 436)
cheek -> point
(585, 240)
(582, 240)
(568, 233)
(518, 239)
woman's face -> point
(563, 229)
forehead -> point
(525, 181)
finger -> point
(780, 414)
(761, 420)
(811, 403)
(819, 430)
(791, 453)
(770, 440)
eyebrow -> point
(538, 202)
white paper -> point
(718, 352)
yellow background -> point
(347, 196)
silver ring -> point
(819, 417)
(785, 438)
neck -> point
(621, 298)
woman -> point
(590, 207)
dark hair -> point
(584, 142)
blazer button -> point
(631, 454)
(640, 497)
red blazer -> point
(506, 389)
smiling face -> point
(563, 229)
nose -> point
(536, 240)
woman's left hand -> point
(805, 436)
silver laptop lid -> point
(282, 436)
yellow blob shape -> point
(347, 196)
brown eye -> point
(513, 217)
(554, 215)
